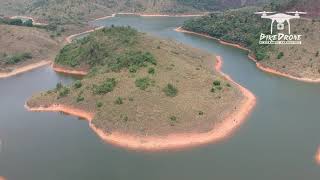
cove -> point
(278, 141)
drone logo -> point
(280, 19)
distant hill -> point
(312, 7)
(79, 10)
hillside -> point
(21, 46)
(142, 85)
(76, 11)
(244, 27)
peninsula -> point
(146, 94)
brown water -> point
(277, 142)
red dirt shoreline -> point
(259, 65)
(171, 141)
(317, 156)
(2, 178)
(24, 69)
(63, 70)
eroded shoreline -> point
(171, 141)
(259, 65)
(24, 69)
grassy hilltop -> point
(142, 85)
(243, 27)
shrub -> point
(260, 55)
(17, 22)
(173, 120)
(14, 59)
(317, 54)
(106, 87)
(280, 55)
(170, 90)
(151, 70)
(119, 100)
(216, 83)
(228, 85)
(64, 91)
(59, 86)
(99, 104)
(80, 98)
(143, 83)
(77, 84)
(28, 23)
(200, 113)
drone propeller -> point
(297, 12)
(264, 12)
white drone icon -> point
(280, 18)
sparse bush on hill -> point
(143, 83)
(16, 58)
(170, 90)
(99, 104)
(119, 100)
(280, 55)
(64, 91)
(77, 84)
(151, 70)
(106, 87)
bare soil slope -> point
(21, 46)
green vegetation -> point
(16, 58)
(80, 98)
(99, 104)
(170, 90)
(237, 26)
(112, 48)
(280, 55)
(119, 100)
(143, 83)
(106, 87)
(151, 70)
(317, 54)
(173, 120)
(63, 92)
(216, 85)
(77, 84)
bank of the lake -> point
(258, 64)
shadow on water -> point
(278, 141)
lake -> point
(277, 142)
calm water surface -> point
(277, 142)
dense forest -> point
(240, 26)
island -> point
(242, 28)
(24, 47)
(144, 93)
